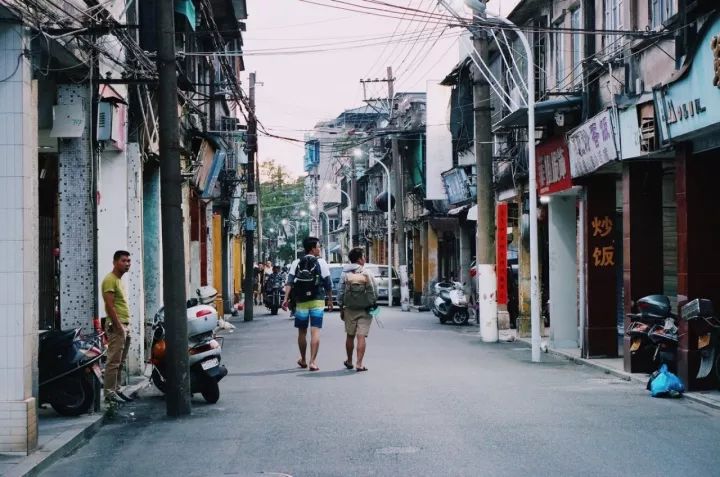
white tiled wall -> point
(18, 244)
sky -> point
(309, 60)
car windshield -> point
(379, 271)
(335, 273)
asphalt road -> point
(436, 401)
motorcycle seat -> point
(55, 337)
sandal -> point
(314, 368)
(348, 364)
(361, 369)
(301, 364)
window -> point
(576, 47)
(613, 21)
(660, 12)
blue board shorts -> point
(309, 313)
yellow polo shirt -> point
(112, 283)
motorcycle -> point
(653, 331)
(451, 303)
(274, 293)
(204, 348)
(69, 367)
(701, 310)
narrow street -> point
(436, 401)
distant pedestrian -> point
(357, 297)
(310, 286)
(116, 325)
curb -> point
(621, 374)
(64, 443)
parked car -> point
(380, 272)
(335, 273)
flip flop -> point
(359, 370)
(348, 364)
(314, 368)
(300, 363)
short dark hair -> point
(119, 254)
(310, 243)
(356, 254)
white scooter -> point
(451, 303)
(204, 347)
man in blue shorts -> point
(310, 285)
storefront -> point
(688, 119)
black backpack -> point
(307, 279)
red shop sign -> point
(501, 219)
(552, 161)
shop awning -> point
(186, 8)
(544, 112)
(211, 156)
(472, 213)
(458, 210)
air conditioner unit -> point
(229, 123)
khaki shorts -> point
(357, 322)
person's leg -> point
(116, 339)
(349, 348)
(302, 345)
(314, 347)
(126, 347)
(360, 351)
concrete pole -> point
(178, 376)
(250, 210)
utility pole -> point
(252, 199)
(399, 205)
(353, 204)
(485, 232)
(178, 377)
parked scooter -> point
(274, 293)
(708, 335)
(69, 366)
(451, 303)
(653, 330)
(204, 347)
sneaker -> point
(125, 397)
(113, 397)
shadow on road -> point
(275, 372)
(327, 374)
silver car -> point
(380, 273)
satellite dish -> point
(381, 201)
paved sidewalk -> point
(57, 436)
(615, 367)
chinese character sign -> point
(603, 248)
(552, 166)
(501, 220)
(592, 145)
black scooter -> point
(274, 293)
(653, 331)
(69, 366)
(701, 313)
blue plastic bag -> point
(663, 383)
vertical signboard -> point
(552, 166)
(501, 219)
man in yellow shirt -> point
(116, 323)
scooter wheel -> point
(73, 396)
(158, 380)
(460, 317)
(211, 391)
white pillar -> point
(209, 243)
(18, 243)
(135, 281)
(563, 269)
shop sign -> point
(552, 166)
(603, 250)
(689, 106)
(592, 145)
(501, 246)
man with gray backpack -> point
(357, 297)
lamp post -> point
(327, 234)
(349, 199)
(479, 11)
(389, 227)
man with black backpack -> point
(357, 296)
(310, 286)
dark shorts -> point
(309, 316)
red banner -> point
(552, 161)
(501, 218)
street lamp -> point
(479, 10)
(347, 196)
(327, 234)
(287, 222)
(389, 230)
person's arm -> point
(109, 298)
(373, 284)
(288, 285)
(327, 282)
